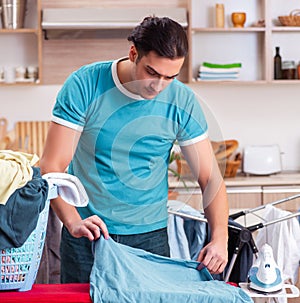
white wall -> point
(258, 114)
(27, 102)
(252, 114)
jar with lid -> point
(288, 70)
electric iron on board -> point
(264, 275)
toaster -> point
(262, 159)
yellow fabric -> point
(15, 171)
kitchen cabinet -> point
(187, 192)
(103, 41)
(22, 48)
(277, 193)
(191, 196)
(244, 197)
(253, 46)
(247, 192)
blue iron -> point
(264, 275)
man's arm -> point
(204, 166)
(58, 152)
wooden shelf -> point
(19, 83)
(253, 46)
(285, 29)
(22, 46)
(19, 31)
(229, 82)
(228, 30)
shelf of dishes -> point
(19, 74)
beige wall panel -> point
(61, 57)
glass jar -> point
(1, 74)
(288, 70)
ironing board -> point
(49, 293)
(288, 291)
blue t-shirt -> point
(123, 153)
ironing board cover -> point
(124, 274)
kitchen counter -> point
(245, 191)
(284, 178)
(280, 179)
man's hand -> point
(214, 257)
(91, 227)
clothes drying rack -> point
(244, 233)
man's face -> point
(153, 73)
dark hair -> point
(162, 35)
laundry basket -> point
(19, 266)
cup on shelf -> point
(9, 74)
(20, 73)
(238, 19)
(32, 73)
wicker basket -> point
(183, 168)
(19, 266)
(292, 20)
(232, 167)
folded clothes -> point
(217, 65)
(69, 188)
(124, 274)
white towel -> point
(69, 188)
(219, 70)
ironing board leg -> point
(232, 262)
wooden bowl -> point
(238, 19)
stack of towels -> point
(214, 71)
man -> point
(114, 124)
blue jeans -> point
(77, 258)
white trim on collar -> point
(119, 85)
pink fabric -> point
(48, 293)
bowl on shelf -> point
(238, 19)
